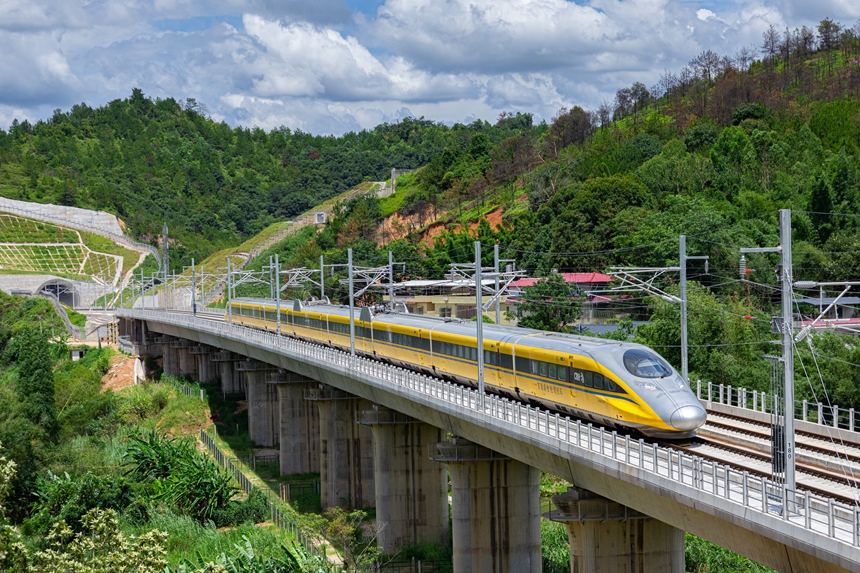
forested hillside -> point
(153, 160)
(712, 152)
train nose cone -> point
(688, 418)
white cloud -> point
(317, 67)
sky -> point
(333, 66)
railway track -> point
(823, 467)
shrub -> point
(101, 547)
(254, 509)
(197, 487)
(153, 456)
(67, 499)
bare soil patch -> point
(120, 375)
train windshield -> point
(646, 364)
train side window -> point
(598, 381)
(533, 366)
(543, 366)
(552, 372)
(609, 385)
(588, 380)
(562, 373)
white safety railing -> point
(812, 412)
(808, 511)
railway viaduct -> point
(384, 437)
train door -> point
(492, 363)
(421, 347)
(572, 379)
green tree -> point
(549, 304)
(35, 384)
(13, 554)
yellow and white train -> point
(618, 384)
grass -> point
(75, 318)
(259, 238)
(705, 557)
(159, 406)
(555, 547)
(406, 189)
(188, 539)
(103, 245)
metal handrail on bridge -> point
(813, 412)
(803, 509)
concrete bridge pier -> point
(299, 424)
(144, 342)
(411, 489)
(262, 403)
(169, 355)
(346, 450)
(496, 510)
(187, 361)
(201, 353)
(607, 537)
(227, 373)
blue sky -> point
(331, 66)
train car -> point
(617, 384)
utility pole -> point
(391, 281)
(165, 247)
(496, 287)
(278, 292)
(685, 366)
(787, 345)
(271, 288)
(193, 290)
(351, 306)
(229, 290)
(479, 319)
(322, 277)
(783, 426)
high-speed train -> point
(617, 384)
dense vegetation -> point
(150, 161)
(100, 481)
